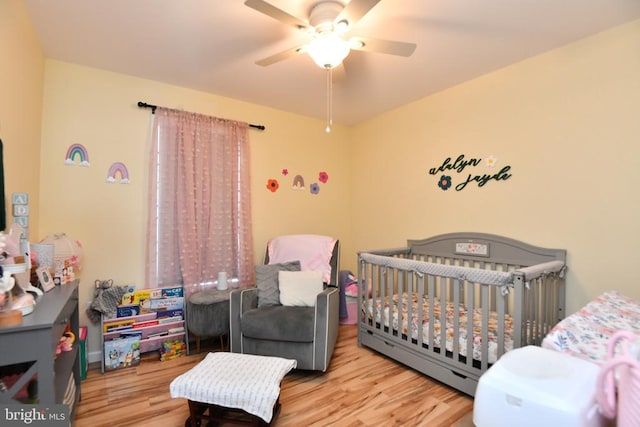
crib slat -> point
(375, 290)
(501, 326)
(470, 330)
(443, 318)
(404, 288)
(535, 323)
(393, 304)
(547, 304)
(431, 293)
(456, 318)
(484, 348)
(518, 302)
(420, 315)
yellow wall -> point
(21, 81)
(98, 109)
(567, 124)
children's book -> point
(167, 292)
(117, 325)
(169, 313)
(131, 333)
(168, 303)
(121, 353)
(127, 310)
(138, 325)
(163, 320)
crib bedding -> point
(585, 334)
(437, 327)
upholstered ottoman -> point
(232, 387)
(208, 314)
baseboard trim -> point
(95, 356)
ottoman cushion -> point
(232, 380)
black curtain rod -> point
(153, 111)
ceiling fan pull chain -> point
(329, 100)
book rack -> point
(146, 320)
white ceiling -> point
(211, 45)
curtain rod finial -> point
(145, 105)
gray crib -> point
(449, 306)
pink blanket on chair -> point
(313, 252)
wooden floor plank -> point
(361, 388)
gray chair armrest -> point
(327, 323)
(240, 300)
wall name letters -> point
(460, 164)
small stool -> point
(208, 314)
(233, 387)
(534, 386)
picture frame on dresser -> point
(44, 276)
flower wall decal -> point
(491, 161)
(323, 177)
(445, 182)
(273, 185)
(285, 171)
(314, 188)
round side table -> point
(208, 314)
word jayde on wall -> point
(461, 166)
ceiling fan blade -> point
(355, 10)
(382, 46)
(278, 14)
(281, 56)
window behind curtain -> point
(199, 219)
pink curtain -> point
(199, 220)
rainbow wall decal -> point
(114, 169)
(298, 183)
(77, 151)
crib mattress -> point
(449, 326)
(585, 334)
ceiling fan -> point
(328, 23)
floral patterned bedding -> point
(463, 333)
(586, 333)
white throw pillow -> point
(299, 288)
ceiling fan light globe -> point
(356, 44)
(328, 50)
(341, 26)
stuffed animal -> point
(106, 299)
(101, 285)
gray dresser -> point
(33, 344)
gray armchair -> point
(306, 334)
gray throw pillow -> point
(267, 281)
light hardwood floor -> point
(361, 388)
